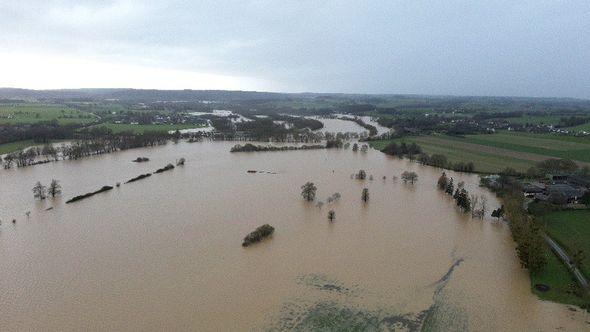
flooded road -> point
(165, 253)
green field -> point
(15, 146)
(139, 129)
(558, 278)
(494, 152)
(583, 127)
(33, 113)
(571, 229)
(20, 145)
(544, 119)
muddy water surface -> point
(164, 253)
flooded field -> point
(165, 253)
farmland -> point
(495, 152)
(141, 128)
(583, 127)
(544, 119)
(35, 113)
(571, 229)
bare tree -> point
(39, 191)
(484, 204)
(54, 188)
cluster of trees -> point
(40, 132)
(553, 166)
(331, 199)
(363, 148)
(413, 151)
(80, 149)
(248, 147)
(40, 191)
(402, 149)
(573, 121)
(460, 194)
(439, 160)
(531, 247)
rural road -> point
(567, 260)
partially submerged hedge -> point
(258, 234)
(80, 197)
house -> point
(569, 192)
(531, 189)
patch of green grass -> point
(543, 119)
(583, 127)
(34, 113)
(571, 229)
(20, 145)
(140, 129)
(558, 278)
(15, 146)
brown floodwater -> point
(165, 253)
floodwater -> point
(165, 253)
(335, 125)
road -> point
(567, 260)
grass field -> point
(558, 278)
(544, 119)
(17, 146)
(494, 152)
(33, 113)
(571, 229)
(583, 127)
(139, 129)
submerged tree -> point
(39, 190)
(355, 147)
(308, 191)
(409, 176)
(450, 187)
(442, 181)
(498, 213)
(463, 200)
(180, 162)
(361, 175)
(331, 215)
(365, 195)
(54, 188)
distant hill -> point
(138, 95)
(152, 95)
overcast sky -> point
(517, 48)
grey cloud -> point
(534, 48)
